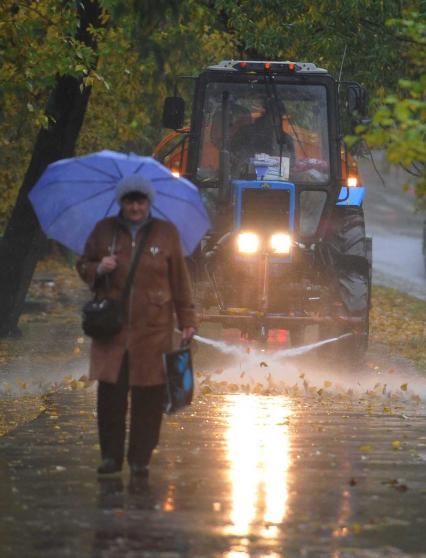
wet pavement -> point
(298, 462)
(305, 474)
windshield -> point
(272, 131)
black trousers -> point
(145, 418)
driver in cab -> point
(262, 141)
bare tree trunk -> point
(23, 238)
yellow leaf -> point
(396, 445)
(365, 448)
(404, 387)
(76, 384)
(258, 388)
(356, 528)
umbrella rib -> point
(180, 236)
(101, 171)
(182, 201)
(120, 174)
(76, 204)
(109, 207)
(139, 167)
(174, 179)
(68, 181)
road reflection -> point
(258, 448)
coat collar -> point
(126, 224)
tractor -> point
(287, 248)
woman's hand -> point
(108, 264)
(187, 334)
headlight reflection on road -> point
(258, 451)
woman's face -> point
(135, 209)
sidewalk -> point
(51, 347)
(235, 476)
(313, 473)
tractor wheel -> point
(349, 270)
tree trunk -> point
(23, 238)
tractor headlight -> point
(281, 243)
(247, 243)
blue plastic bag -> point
(179, 379)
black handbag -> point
(104, 318)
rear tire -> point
(349, 259)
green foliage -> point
(319, 32)
(141, 67)
(399, 123)
(142, 50)
(146, 44)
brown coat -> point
(161, 283)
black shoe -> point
(140, 471)
(109, 467)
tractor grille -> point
(265, 209)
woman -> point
(132, 359)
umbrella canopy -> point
(72, 195)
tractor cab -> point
(265, 149)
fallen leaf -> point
(404, 387)
(263, 364)
(365, 448)
(356, 528)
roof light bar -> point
(275, 67)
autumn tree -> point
(50, 46)
(64, 35)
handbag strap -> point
(142, 243)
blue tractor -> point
(287, 247)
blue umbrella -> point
(72, 195)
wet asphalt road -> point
(395, 226)
(236, 476)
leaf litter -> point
(268, 372)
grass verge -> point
(398, 321)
